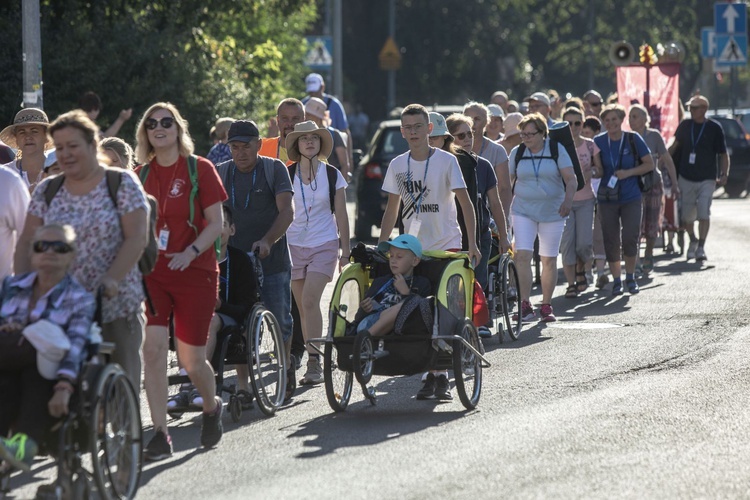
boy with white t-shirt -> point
(428, 181)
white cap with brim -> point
(51, 346)
(405, 241)
(439, 128)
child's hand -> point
(400, 284)
(367, 305)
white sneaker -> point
(692, 249)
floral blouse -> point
(99, 236)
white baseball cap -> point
(313, 82)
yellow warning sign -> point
(390, 56)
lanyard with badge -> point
(163, 240)
(691, 158)
(416, 223)
(307, 209)
(615, 165)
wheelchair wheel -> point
(363, 360)
(266, 359)
(467, 367)
(511, 301)
(116, 438)
(494, 299)
(338, 382)
(235, 408)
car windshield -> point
(732, 129)
(393, 143)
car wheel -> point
(734, 189)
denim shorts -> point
(368, 321)
(276, 295)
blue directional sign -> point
(731, 50)
(320, 54)
(730, 18)
(708, 43)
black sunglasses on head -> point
(42, 246)
(166, 122)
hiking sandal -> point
(571, 292)
(581, 284)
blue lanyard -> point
(692, 134)
(535, 164)
(619, 159)
(484, 145)
(225, 280)
(302, 190)
(247, 200)
(410, 187)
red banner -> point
(662, 85)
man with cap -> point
(539, 102)
(699, 142)
(490, 150)
(289, 113)
(494, 130)
(260, 197)
(315, 86)
(28, 133)
(501, 99)
(315, 110)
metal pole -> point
(591, 44)
(32, 55)
(733, 84)
(391, 99)
(338, 67)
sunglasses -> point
(42, 246)
(576, 123)
(464, 135)
(166, 122)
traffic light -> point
(646, 54)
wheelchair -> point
(258, 343)
(451, 342)
(503, 300)
(98, 445)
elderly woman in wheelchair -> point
(45, 319)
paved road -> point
(628, 397)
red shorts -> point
(189, 295)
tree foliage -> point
(209, 58)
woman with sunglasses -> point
(185, 282)
(542, 199)
(576, 246)
(110, 238)
(619, 196)
(45, 318)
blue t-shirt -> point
(616, 155)
(335, 112)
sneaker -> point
(700, 254)
(632, 287)
(443, 389)
(178, 402)
(159, 448)
(291, 383)
(18, 451)
(484, 332)
(314, 373)
(245, 398)
(602, 281)
(212, 428)
(428, 388)
(527, 312)
(617, 288)
(547, 314)
(196, 400)
(692, 249)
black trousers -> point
(298, 340)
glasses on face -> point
(576, 123)
(309, 138)
(166, 122)
(528, 135)
(413, 128)
(57, 246)
(595, 104)
(463, 135)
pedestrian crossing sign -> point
(319, 55)
(731, 49)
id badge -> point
(414, 227)
(691, 159)
(163, 239)
(612, 182)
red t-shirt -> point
(171, 187)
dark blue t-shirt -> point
(486, 180)
(617, 155)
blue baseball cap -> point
(405, 241)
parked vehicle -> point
(738, 148)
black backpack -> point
(554, 155)
(467, 161)
(147, 262)
(332, 177)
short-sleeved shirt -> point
(426, 190)
(384, 292)
(655, 143)
(219, 153)
(171, 186)
(338, 142)
(272, 147)
(14, 202)
(616, 155)
(539, 190)
(486, 180)
(707, 141)
(314, 224)
(586, 151)
(253, 204)
(335, 112)
(493, 152)
(98, 236)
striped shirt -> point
(67, 305)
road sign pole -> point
(32, 55)
(391, 99)
(733, 84)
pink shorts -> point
(321, 259)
